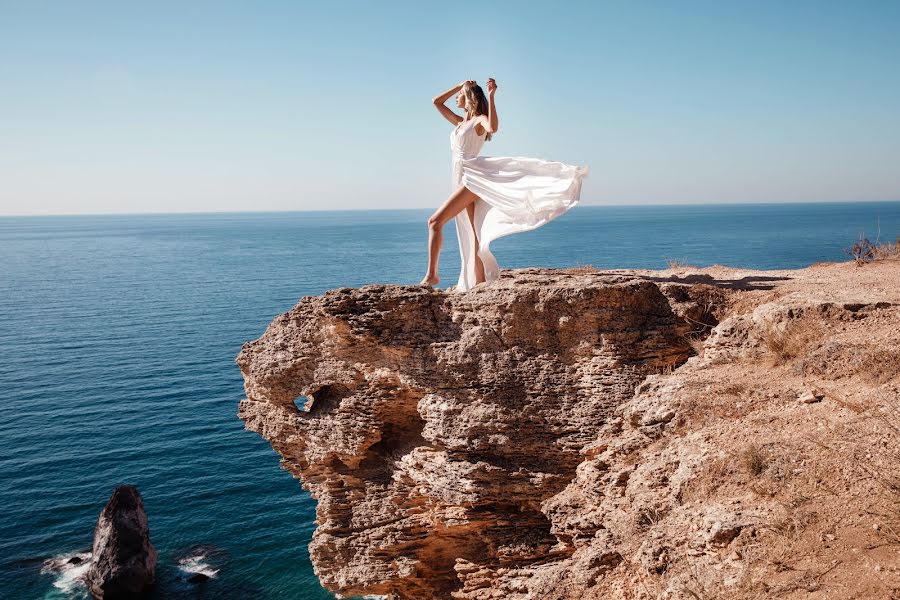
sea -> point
(117, 343)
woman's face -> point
(460, 99)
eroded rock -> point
(123, 561)
(573, 435)
(438, 424)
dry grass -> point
(696, 344)
(667, 368)
(878, 454)
(879, 366)
(750, 591)
(677, 263)
(708, 585)
(843, 401)
(883, 251)
(753, 459)
(735, 389)
(708, 480)
(785, 544)
(873, 440)
(581, 269)
(791, 340)
(724, 402)
(649, 516)
(793, 522)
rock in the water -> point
(198, 578)
(123, 563)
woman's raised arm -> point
(442, 108)
(492, 123)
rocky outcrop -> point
(431, 427)
(567, 434)
(123, 561)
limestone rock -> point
(810, 396)
(434, 426)
(555, 434)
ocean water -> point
(117, 343)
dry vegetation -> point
(878, 366)
(678, 263)
(735, 389)
(876, 441)
(696, 343)
(883, 251)
(581, 269)
(753, 459)
(863, 251)
(792, 339)
(821, 476)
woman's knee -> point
(434, 222)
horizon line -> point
(331, 210)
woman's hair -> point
(475, 101)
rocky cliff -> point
(587, 434)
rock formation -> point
(572, 434)
(123, 561)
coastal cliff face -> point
(571, 434)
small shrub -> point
(753, 459)
(677, 263)
(862, 251)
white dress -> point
(514, 194)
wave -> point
(69, 571)
(197, 562)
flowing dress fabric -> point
(514, 194)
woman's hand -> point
(491, 86)
(467, 81)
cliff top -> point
(686, 433)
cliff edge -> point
(689, 433)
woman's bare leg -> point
(479, 266)
(457, 201)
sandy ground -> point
(798, 392)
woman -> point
(500, 195)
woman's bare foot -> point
(430, 281)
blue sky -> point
(275, 105)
